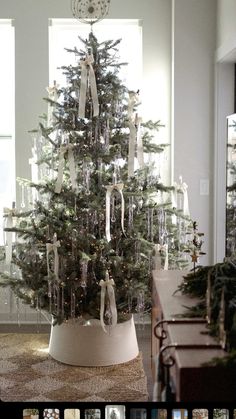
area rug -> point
(28, 373)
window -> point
(63, 33)
(7, 130)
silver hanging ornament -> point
(90, 11)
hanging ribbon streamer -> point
(133, 100)
(140, 155)
(108, 286)
(131, 155)
(63, 150)
(158, 248)
(52, 95)
(53, 247)
(88, 76)
(9, 214)
(110, 188)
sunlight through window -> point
(64, 33)
(7, 141)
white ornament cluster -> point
(51, 413)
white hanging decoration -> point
(53, 247)
(174, 203)
(157, 257)
(52, 95)
(34, 170)
(158, 248)
(71, 161)
(183, 188)
(107, 286)
(9, 213)
(88, 78)
(110, 189)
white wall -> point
(193, 107)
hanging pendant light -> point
(90, 11)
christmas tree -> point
(99, 217)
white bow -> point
(108, 285)
(87, 74)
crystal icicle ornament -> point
(95, 217)
(113, 204)
(22, 196)
(72, 304)
(11, 303)
(99, 170)
(75, 210)
(84, 274)
(58, 299)
(140, 308)
(62, 300)
(131, 212)
(161, 224)
(86, 176)
(38, 314)
(50, 295)
(74, 244)
(18, 311)
(107, 135)
(137, 251)
(150, 224)
(6, 296)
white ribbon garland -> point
(110, 189)
(108, 286)
(88, 75)
(53, 95)
(157, 257)
(140, 155)
(52, 247)
(63, 150)
(9, 214)
(133, 100)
